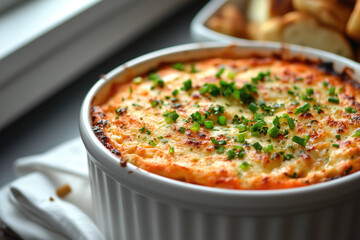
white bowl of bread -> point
(330, 25)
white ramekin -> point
(131, 203)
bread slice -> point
(229, 20)
(353, 24)
(330, 13)
(303, 29)
(259, 11)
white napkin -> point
(26, 207)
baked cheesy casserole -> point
(252, 123)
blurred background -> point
(52, 52)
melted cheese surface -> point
(152, 122)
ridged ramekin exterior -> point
(127, 215)
(132, 204)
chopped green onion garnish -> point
(175, 92)
(299, 140)
(331, 91)
(337, 136)
(244, 165)
(195, 127)
(193, 68)
(269, 148)
(241, 138)
(291, 123)
(335, 145)
(356, 133)
(309, 91)
(274, 132)
(221, 142)
(333, 99)
(152, 143)
(179, 66)
(242, 153)
(241, 127)
(291, 92)
(220, 149)
(303, 108)
(231, 75)
(209, 124)
(257, 146)
(187, 85)
(171, 116)
(182, 129)
(317, 108)
(142, 129)
(171, 150)
(350, 110)
(289, 120)
(136, 105)
(253, 107)
(222, 120)
(325, 84)
(220, 72)
(231, 154)
(276, 122)
(288, 156)
(154, 103)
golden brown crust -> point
(353, 25)
(157, 122)
(229, 21)
(330, 13)
(299, 28)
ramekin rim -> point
(85, 125)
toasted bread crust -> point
(353, 25)
(330, 13)
(299, 28)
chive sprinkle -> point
(179, 66)
(195, 127)
(335, 145)
(257, 146)
(175, 92)
(231, 154)
(333, 99)
(222, 120)
(231, 75)
(350, 110)
(241, 138)
(182, 129)
(209, 124)
(276, 122)
(219, 149)
(303, 108)
(220, 72)
(244, 165)
(337, 136)
(274, 132)
(289, 120)
(171, 150)
(187, 85)
(253, 107)
(356, 133)
(299, 140)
